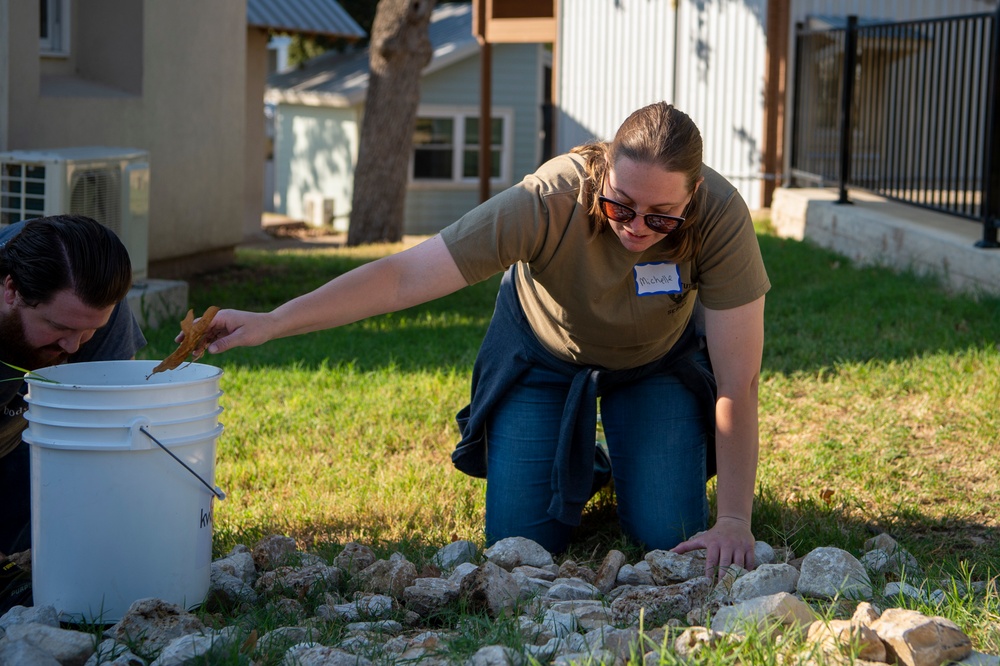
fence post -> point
(991, 158)
(795, 147)
(847, 103)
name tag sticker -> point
(659, 277)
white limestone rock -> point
(765, 580)
(455, 553)
(782, 611)
(518, 551)
(831, 572)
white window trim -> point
(458, 115)
(57, 43)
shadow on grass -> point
(443, 334)
(328, 539)
(804, 525)
(945, 548)
(821, 311)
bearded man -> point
(64, 280)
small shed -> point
(317, 112)
(264, 18)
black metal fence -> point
(907, 110)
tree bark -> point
(400, 48)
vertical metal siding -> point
(720, 83)
(617, 55)
(614, 56)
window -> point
(470, 150)
(434, 149)
(446, 147)
(54, 28)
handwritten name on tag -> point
(657, 278)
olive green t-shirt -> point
(587, 298)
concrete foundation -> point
(874, 231)
(159, 302)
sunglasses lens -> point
(617, 211)
(662, 224)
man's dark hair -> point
(73, 252)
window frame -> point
(458, 115)
(56, 45)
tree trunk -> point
(400, 49)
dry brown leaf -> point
(250, 643)
(193, 334)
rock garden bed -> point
(514, 604)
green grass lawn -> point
(879, 397)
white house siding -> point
(516, 88)
(315, 151)
(707, 57)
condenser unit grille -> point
(96, 193)
(22, 192)
(106, 183)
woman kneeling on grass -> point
(633, 274)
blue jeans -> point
(656, 437)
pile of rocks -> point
(363, 610)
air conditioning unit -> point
(110, 185)
(317, 209)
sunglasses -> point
(619, 212)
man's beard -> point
(15, 350)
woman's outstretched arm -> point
(416, 275)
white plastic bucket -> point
(120, 384)
(104, 414)
(121, 485)
(121, 435)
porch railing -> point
(907, 110)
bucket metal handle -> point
(214, 490)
